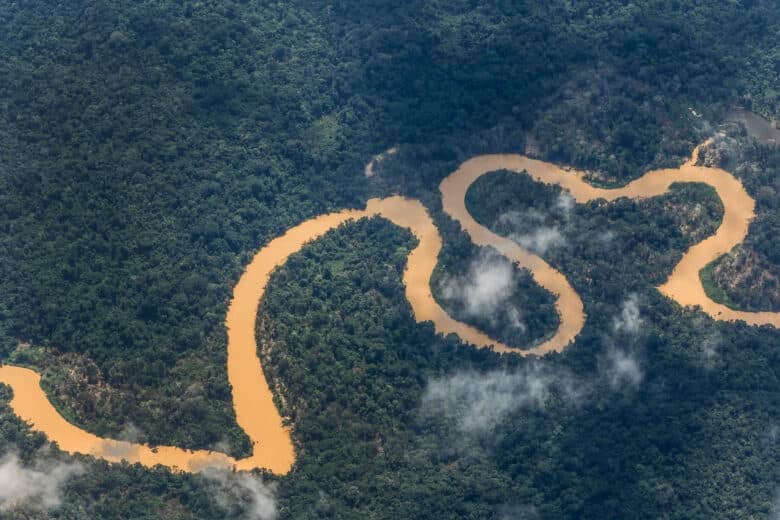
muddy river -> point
(253, 402)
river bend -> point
(253, 403)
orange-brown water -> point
(683, 285)
(31, 404)
(253, 402)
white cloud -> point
(629, 320)
(222, 445)
(478, 402)
(131, 433)
(519, 512)
(541, 239)
(485, 289)
(621, 369)
(38, 487)
(516, 218)
(128, 442)
(515, 318)
(606, 237)
(565, 204)
(243, 491)
(709, 349)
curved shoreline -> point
(255, 409)
(683, 285)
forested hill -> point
(148, 149)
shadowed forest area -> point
(148, 150)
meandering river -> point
(253, 401)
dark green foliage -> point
(749, 277)
(603, 242)
(344, 360)
(711, 287)
(148, 149)
(525, 317)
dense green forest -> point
(748, 277)
(148, 149)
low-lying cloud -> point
(486, 289)
(519, 512)
(529, 229)
(37, 487)
(478, 402)
(536, 236)
(709, 349)
(237, 492)
(629, 320)
(541, 239)
(620, 366)
(606, 238)
(518, 218)
(565, 204)
(128, 442)
(621, 369)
